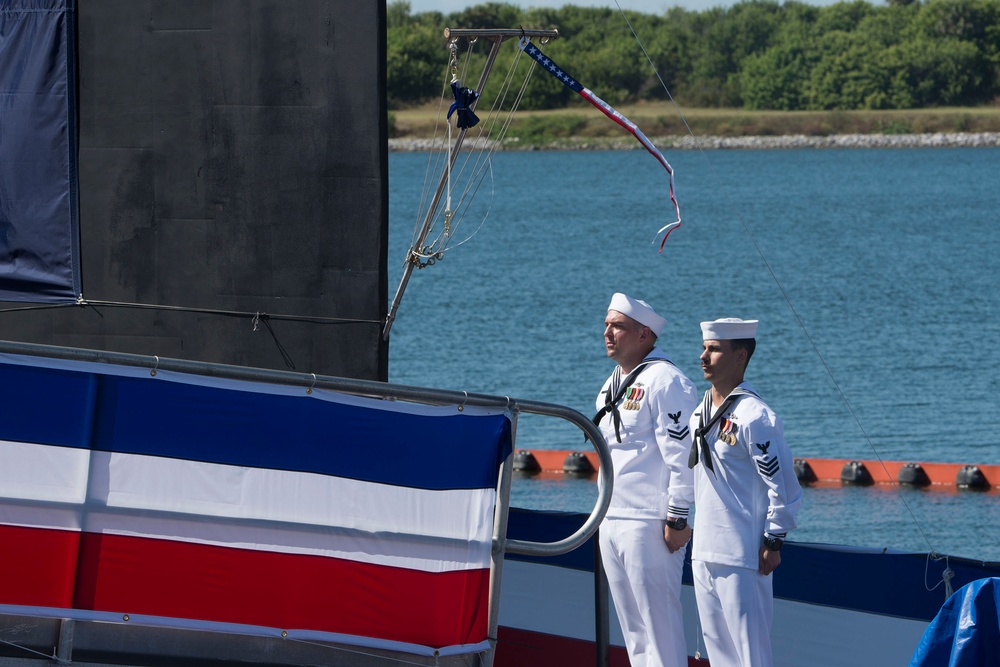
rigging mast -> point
(496, 39)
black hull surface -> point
(232, 184)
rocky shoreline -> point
(930, 140)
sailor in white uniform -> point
(746, 499)
(643, 412)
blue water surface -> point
(873, 274)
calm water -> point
(873, 274)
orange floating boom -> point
(826, 471)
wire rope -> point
(488, 163)
(471, 168)
(484, 163)
(260, 316)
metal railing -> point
(394, 392)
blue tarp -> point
(966, 632)
(39, 220)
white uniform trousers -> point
(736, 606)
(645, 582)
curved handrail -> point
(589, 527)
(374, 389)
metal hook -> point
(310, 389)
(461, 408)
(152, 371)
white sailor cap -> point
(640, 311)
(729, 328)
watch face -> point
(773, 543)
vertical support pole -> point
(436, 200)
(602, 616)
(64, 650)
(500, 520)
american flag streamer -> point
(609, 111)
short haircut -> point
(639, 326)
(748, 344)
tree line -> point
(758, 54)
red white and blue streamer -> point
(609, 111)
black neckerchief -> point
(703, 429)
(615, 392)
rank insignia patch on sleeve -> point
(677, 432)
(767, 466)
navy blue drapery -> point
(39, 219)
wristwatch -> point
(677, 524)
(773, 543)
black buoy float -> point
(913, 474)
(803, 471)
(577, 463)
(854, 473)
(525, 461)
(971, 478)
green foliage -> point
(938, 72)
(414, 49)
(894, 127)
(488, 15)
(756, 54)
(847, 75)
(542, 131)
(843, 16)
(776, 78)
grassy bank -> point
(663, 119)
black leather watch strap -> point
(773, 543)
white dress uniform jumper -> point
(745, 487)
(644, 418)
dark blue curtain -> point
(39, 219)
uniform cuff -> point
(679, 512)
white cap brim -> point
(729, 328)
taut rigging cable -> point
(435, 231)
